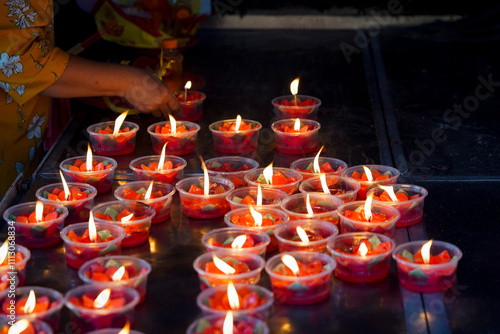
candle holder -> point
(146, 168)
(104, 142)
(232, 168)
(255, 301)
(411, 208)
(382, 175)
(289, 179)
(246, 196)
(341, 187)
(307, 106)
(191, 105)
(78, 251)
(199, 206)
(179, 143)
(231, 142)
(350, 224)
(248, 267)
(100, 271)
(21, 258)
(121, 309)
(160, 200)
(289, 141)
(271, 218)
(222, 238)
(324, 207)
(113, 331)
(78, 205)
(31, 233)
(214, 324)
(101, 179)
(49, 303)
(319, 232)
(427, 277)
(136, 228)
(34, 327)
(354, 267)
(310, 287)
(328, 166)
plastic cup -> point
(39, 327)
(77, 253)
(215, 322)
(301, 290)
(19, 271)
(367, 185)
(137, 268)
(341, 187)
(88, 319)
(412, 210)
(289, 188)
(295, 143)
(222, 238)
(170, 176)
(190, 110)
(304, 165)
(324, 207)
(36, 235)
(178, 143)
(292, 111)
(112, 144)
(356, 268)
(289, 239)
(136, 230)
(232, 142)
(199, 206)
(162, 205)
(102, 180)
(279, 216)
(51, 316)
(208, 279)
(427, 277)
(78, 209)
(387, 227)
(235, 162)
(271, 198)
(261, 311)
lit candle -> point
(177, 136)
(305, 235)
(297, 136)
(370, 176)
(235, 135)
(284, 179)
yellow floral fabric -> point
(29, 63)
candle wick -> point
(295, 99)
(185, 94)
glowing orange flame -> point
(102, 298)
(239, 241)
(238, 123)
(324, 185)
(30, 303)
(39, 211)
(147, 195)
(4, 250)
(368, 207)
(88, 163)
(294, 86)
(125, 329)
(227, 327)
(259, 195)
(363, 250)
(127, 218)
(67, 194)
(302, 234)
(173, 125)
(162, 157)
(118, 275)
(119, 122)
(223, 266)
(92, 228)
(310, 211)
(368, 173)
(296, 125)
(390, 191)
(232, 296)
(257, 217)
(268, 173)
(19, 327)
(316, 161)
(426, 252)
(206, 179)
(188, 85)
(291, 263)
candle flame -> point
(149, 191)
(162, 157)
(19, 327)
(291, 263)
(239, 241)
(259, 195)
(362, 250)
(118, 275)
(102, 298)
(88, 163)
(296, 125)
(238, 123)
(310, 211)
(39, 211)
(223, 266)
(368, 173)
(426, 251)
(125, 329)
(390, 191)
(188, 85)
(232, 296)
(119, 122)
(173, 124)
(316, 161)
(368, 206)
(206, 179)
(30, 303)
(294, 86)
(92, 228)
(302, 234)
(268, 173)
(324, 185)
(127, 218)
(4, 250)
(67, 194)
(227, 327)
(257, 217)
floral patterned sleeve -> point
(29, 62)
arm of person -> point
(85, 78)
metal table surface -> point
(243, 71)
